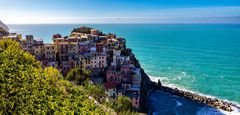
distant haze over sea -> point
(199, 57)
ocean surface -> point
(203, 58)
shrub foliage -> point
(26, 88)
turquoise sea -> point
(204, 58)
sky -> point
(119, 11)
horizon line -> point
(118, 23)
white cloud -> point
(181, 15)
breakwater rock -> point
(213, 102)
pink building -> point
(113, 76)
(127, 72)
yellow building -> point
(38, 51)
(50, 52)
(62, 48)
(73, 48)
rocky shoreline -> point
(213, 102)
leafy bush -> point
(97, 92)
(26, 88)
(77, 75)
(122, 105)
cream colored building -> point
(98, 60)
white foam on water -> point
(155, 79)
(212, 111)
(184, 73)
(178, 104)
(236, 111)
(209, 111)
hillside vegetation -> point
(26, 88)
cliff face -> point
(3, 26)
(3, 29)
(146, 86)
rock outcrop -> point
(3, 26)
(3, 29)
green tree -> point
(124, 104)
(77, 75)
(97, 92)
